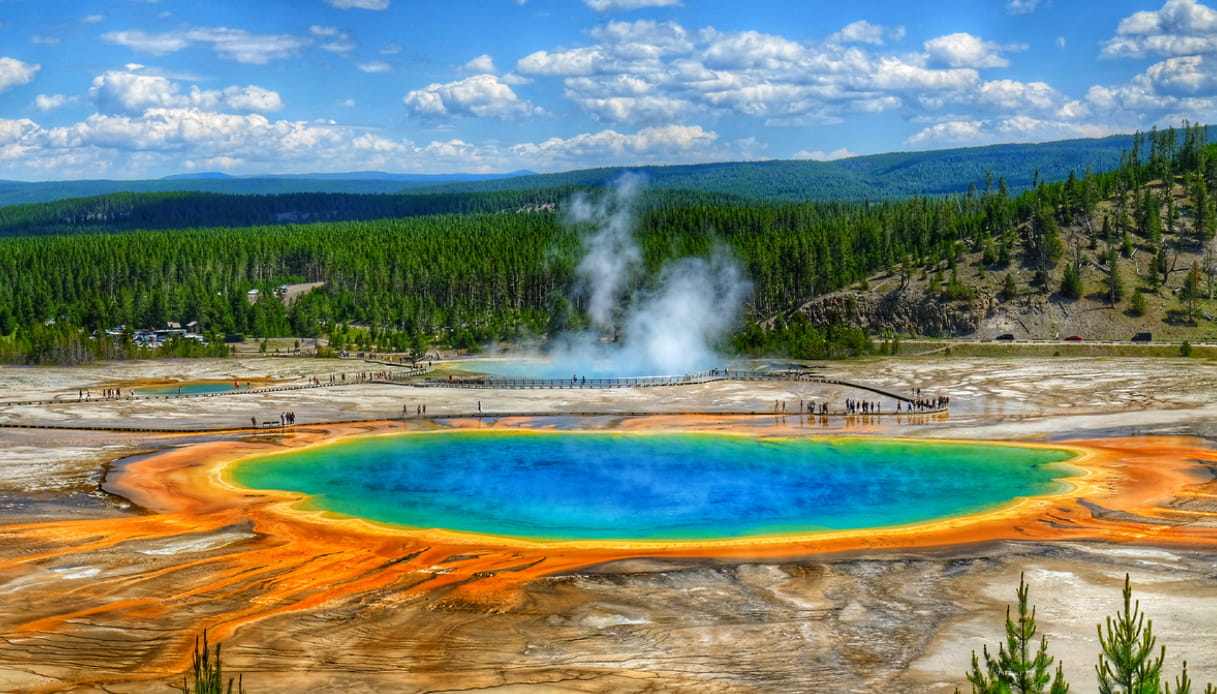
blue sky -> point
(145, 88)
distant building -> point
(253, 295)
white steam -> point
(669, 326)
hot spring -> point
(631, 486)
(188, 388)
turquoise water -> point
(544, 485)
(193, 388)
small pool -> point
(190, 388)
(632, 486)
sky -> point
(131, 89)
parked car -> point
(1074, 338)
(1143, 337)
(1005, 336)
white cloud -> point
(751, 49)
(480, 96)
(818, 155)
(649, 73)
(863, 31)
(649, 145)
(13, 72)
(1179, 28)
(579, 61)
(133, 94)
(966, 133)
(635, 110)
(483, 64)
(643, 39)
(45, 40)
(1012, 96)
(618, 5)
(895, 74)
(165, 140)
(964, 50)
(333, 39)
(93, 19)
(1022, 6)
(346, 103)
(14, 131)
(230, 44)
(359, 4)
(50, 102)
(156, 44)
(374, 66)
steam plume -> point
(667, 327)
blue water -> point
(191, 388)
(545, 485)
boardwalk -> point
(412, 376)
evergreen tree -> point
(1071, 283)
(1192, 290)
(1138, 306)
(1127, 664)
(1009, 287)
(1021, 667)
(1115, 286)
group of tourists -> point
(106, 394)
(863, 407)
(920, 404)
(419, 410)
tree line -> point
(466, 279)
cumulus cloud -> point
(634, 110)
(359, 4)
(478, 96)
(50, 102)
(1179, 28)
(650, 73)
(230, 44)
(119, 92)
(618, 5)
(1010, 95)
(483, 64)
(645, 146)
(863, 31)
(964, 50)
(963, 133)
(161, 140)
(14, 72)
(1194, 75)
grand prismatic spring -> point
(564, 486)
(733, 558)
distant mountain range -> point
(873, 177)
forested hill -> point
(874, 177)
(185, 210)
(361, 183)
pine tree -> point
(1016, 670)
(1127, 664)
(1071, 282)
(208, 673)
(1009, 288)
